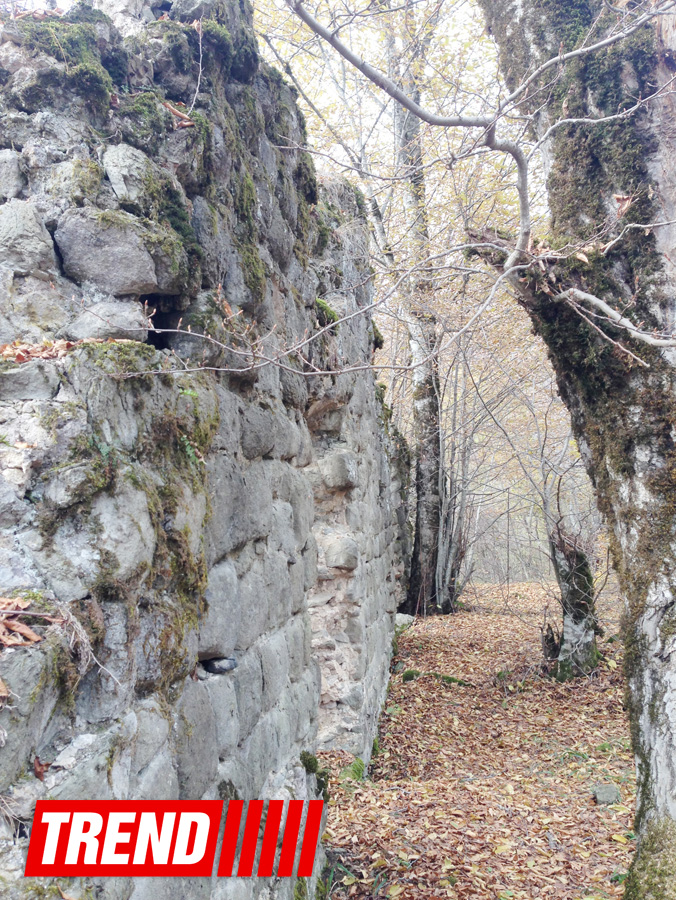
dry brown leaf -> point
(40, 768)
(4, 691)
(17, 603)
(623, 201)
(22, 629)
(64, 896)
(7, 639)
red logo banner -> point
(171, 838)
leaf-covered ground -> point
(484, 790)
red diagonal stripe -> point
(230, 834)
(291, 828)
(269, 847)
(250, 839)
(308, 851)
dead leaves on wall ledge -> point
(20, 352)
(14, 632)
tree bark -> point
(422, 595)
(624, 415)
(577, 653)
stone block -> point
(607, 794)
(25, 244)
(11, 179)
(255, 600)
(152, 731)
(109, 253)
(341, 552)
(248, 679)
(339, 470)
(219, 627)
(195, 741)
(223, 697)
(26, 672)
(109, 319)
(274, 653)
(158, 780)
(257, 430)
(297, 634)
(244, 506)
(34, 380)
(268, 746)
(126, 528)
(128, 171)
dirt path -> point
(484, 790)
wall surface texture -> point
(216, 552)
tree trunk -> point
(422, 590)
(577, 653)
(623, 413)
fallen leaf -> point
(623, 201)
(14, 603)
(40, 768)
(64, 896)
(22, 629)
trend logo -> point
(174, 838)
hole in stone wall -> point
(162, 320)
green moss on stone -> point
(148, 121)
(326, 315)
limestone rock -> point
(25, 244)
(34, 380)
(607, 794)
(126, 528)
(109, 319)
(339, 470)
(107, 251)
(11, 179)
(341, 552)
(220, 626)
(196, 741)
(128, 171)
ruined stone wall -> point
(209, 524)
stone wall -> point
(208, 522)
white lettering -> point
(160, 841)
(113, 837)
(185, 823)
(53, 821)
(89, 838)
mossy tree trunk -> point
(623, 413)
(422, 335)
(577, 653)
